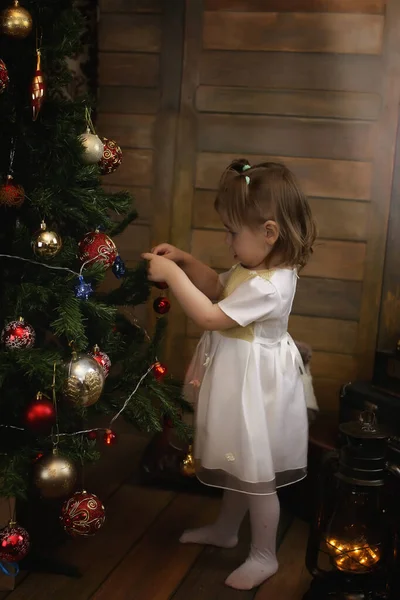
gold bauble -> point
(48, 243)
(84, 380)
(94, 148)
(55, 475)
(16, 21)
(188, 467)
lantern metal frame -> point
(355, 567)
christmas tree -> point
(60, 329)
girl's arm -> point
(194, 302)
(203, 277)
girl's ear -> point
(271, 232)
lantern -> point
(351, 549)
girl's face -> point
(251, 246)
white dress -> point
(246, 383)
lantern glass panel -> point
(355, 533)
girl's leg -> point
(262, 562)
(224, 532)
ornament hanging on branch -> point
(37, 88)
(15, 21)
(40, 415)
(11, 194)
(18, 335)
(112, 157)
(159, 371)
(54, 475)
(93, 146)
(118, 267)
(161, 305)
(84, 380)
(188, 468)
(96, 247)
(4, 78)
(83, 514)
(102, 358)
(14, 543)
(47, 243)
(92, 435)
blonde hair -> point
(251, 195)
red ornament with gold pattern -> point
(159, 371)
(83, 514)
(37, 88)
(14, 543)
(161, 305)
(4, 78)
(11, 194)
(18, 335)
(102, 358)
(97, 247)
(112, 157)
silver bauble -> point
(84, 380)
(94, 148)
(55, 475)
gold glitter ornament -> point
(48, 243)
(15, 21)
(188, 465)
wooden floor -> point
(137, 556)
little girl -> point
(246, 375)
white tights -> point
(264, 518)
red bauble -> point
(14, 543)
(11, 194)
(161, 285)
(40, 415)
(92, 435)
(18, 335)
(159, 371)
(83, 514)
(161, 305)
(4, 78)
(95, 247)
(102, 358)
(112, 157)
(109, 438)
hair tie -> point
(247, 178)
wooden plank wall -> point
(389, 322)
(130, 36)
(140, 64)
(314, 83)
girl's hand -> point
(171, 252)
(159, 268)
